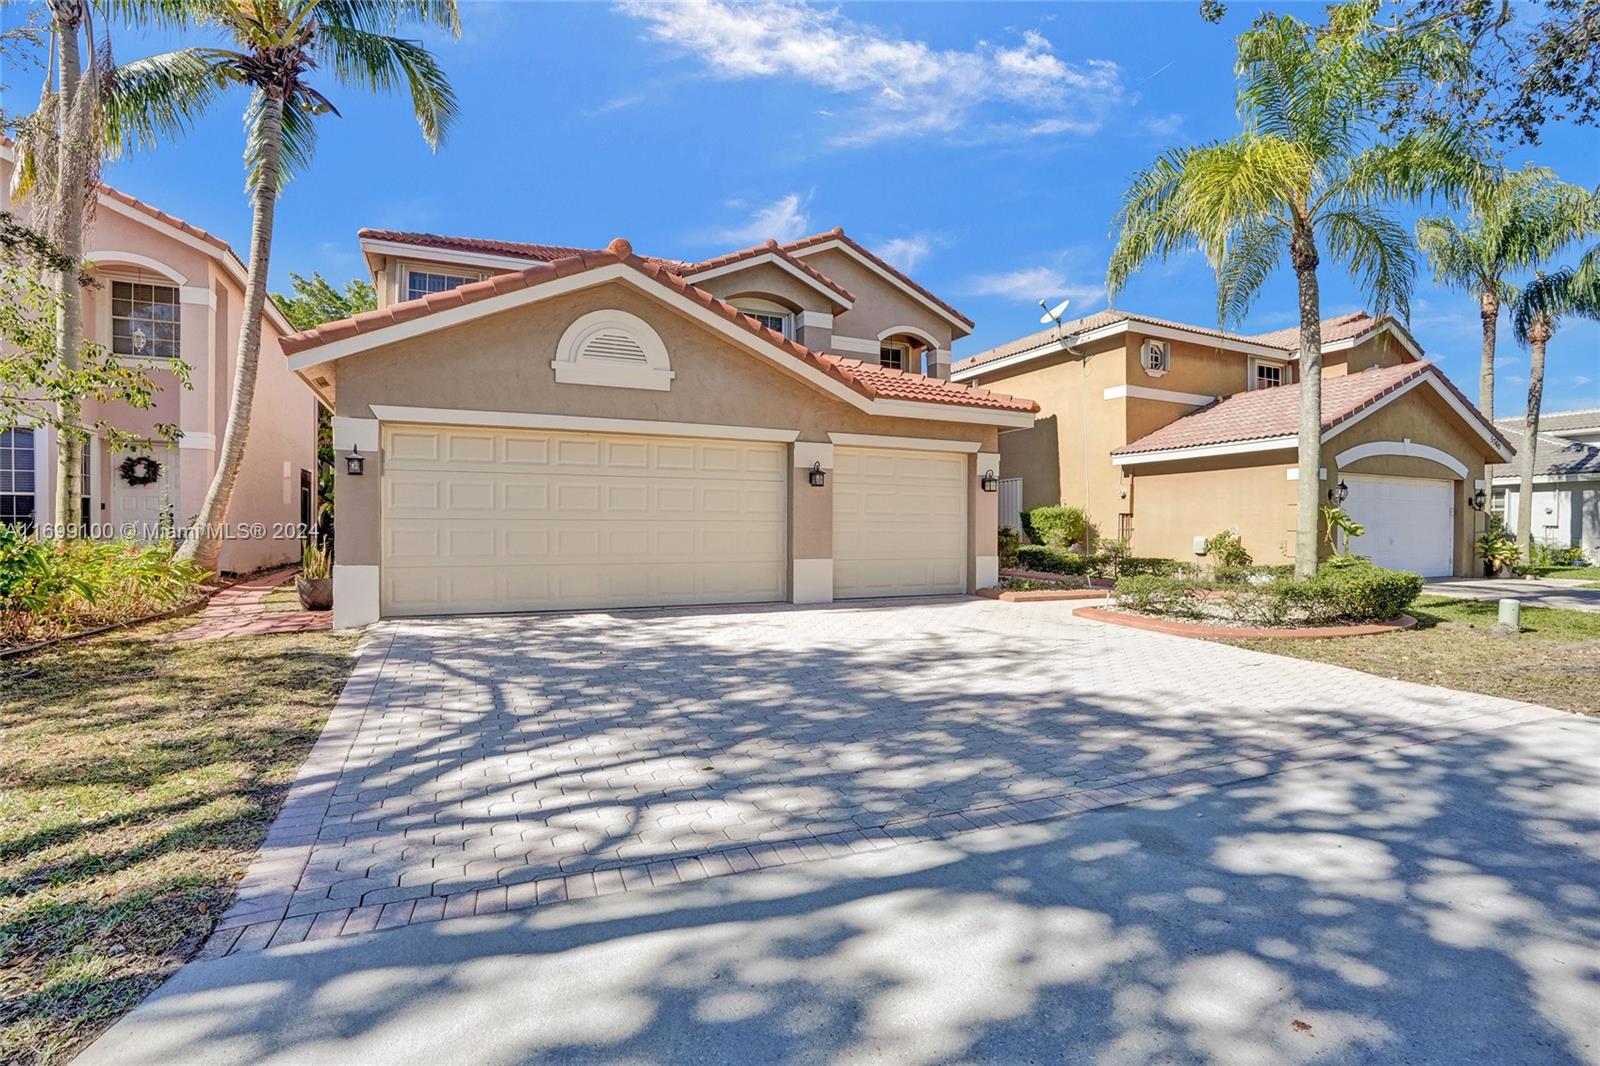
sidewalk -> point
(240, 610)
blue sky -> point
(984, 147)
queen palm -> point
(1309, 172)
(1517, 221)
(1540, 309)
(278, 44)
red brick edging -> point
(1209, 632)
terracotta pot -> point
(316, 594)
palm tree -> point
(277, 46)
(1538, 313)
(1517, 221)
(1309, 171)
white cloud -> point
(1031, 284)
(902, 88)
(785, 219)
(906, 252)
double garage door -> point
(479, 520)
(1410, 522)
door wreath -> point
(140, 470)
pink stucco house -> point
(163, 286)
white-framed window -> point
(1268, 375)
(86, 484)
(18, 499)
(1155, 357)
(615, 349)
(892, 355)
(144, 320)
(420, 283)
(774, 316)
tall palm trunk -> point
(1538, 337)
(72, 172)
(1489, 312)
(1308, 502)
(205, 545)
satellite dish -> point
(1053, 314)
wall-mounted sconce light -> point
(355, 464)
(1337, 496)
(989, 482)
(817, 476)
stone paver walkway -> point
(479, 765)
(239, 611)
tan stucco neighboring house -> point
(1167, 432)
(1566, 480)
(548, 427)
(162, 287)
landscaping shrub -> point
(1347, 594)
(50, 587)
(1052, 560)
(1132, 565)
(1243, 575)
(1225, 549)
(1010, 541)
(1056, 527)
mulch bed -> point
(1175, 628)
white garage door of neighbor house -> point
(478, 520)
(1409, 522)
(899, 522)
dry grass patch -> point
(1555, 661)
(137, 782)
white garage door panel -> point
(505, 520)
(1409, 522)
(899, 523)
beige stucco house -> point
(541, 427)
(1167, 432)
(162, 287)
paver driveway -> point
(480, 764)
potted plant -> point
(1498, 550)
(315, 583)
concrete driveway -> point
(1533, 592)
(918, 831)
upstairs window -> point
(144, 320)
(1268, 375)
(420, 283)
(775, 317)
(892, 356)
(16, 478)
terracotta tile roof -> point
(1338, 328)
(1554, 456)
(1092, 321)
(538, 253)
(1558, 422)
(1267, 413)
(869, 380)
(838, 234)
(769, 248)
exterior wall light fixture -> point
(1478, 500)
(817, 476)
(1337, 496)
(989, 482)
(355, 464)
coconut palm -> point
(1309, 173)
(1516, 221)
(277, 45)
(1540, 309)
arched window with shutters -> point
(615, 349)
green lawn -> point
(1552, 662)
(1579, 573)
(137, 781)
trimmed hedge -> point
(1008, 541)
(1052, 560)
(1056, 526)
(1334, 596)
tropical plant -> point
(1516, 221)
(1310, 171)
(1540, 310)
(1337, 521)
(1496, 547)
(315, 562)
(1226, 549)
(277, 45)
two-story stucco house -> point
(162, 287)
(527, 427)
(1167, 432)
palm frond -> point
(1249, 260)
(1551, 297)
(297, 145)
(160, 97)
(1457, 256)
(1431, 163)
(384, 64)
(1378, 253)
(386, 16)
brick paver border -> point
(258, 918)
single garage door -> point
(518, 520)
(1410, 525)
(899, 522)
